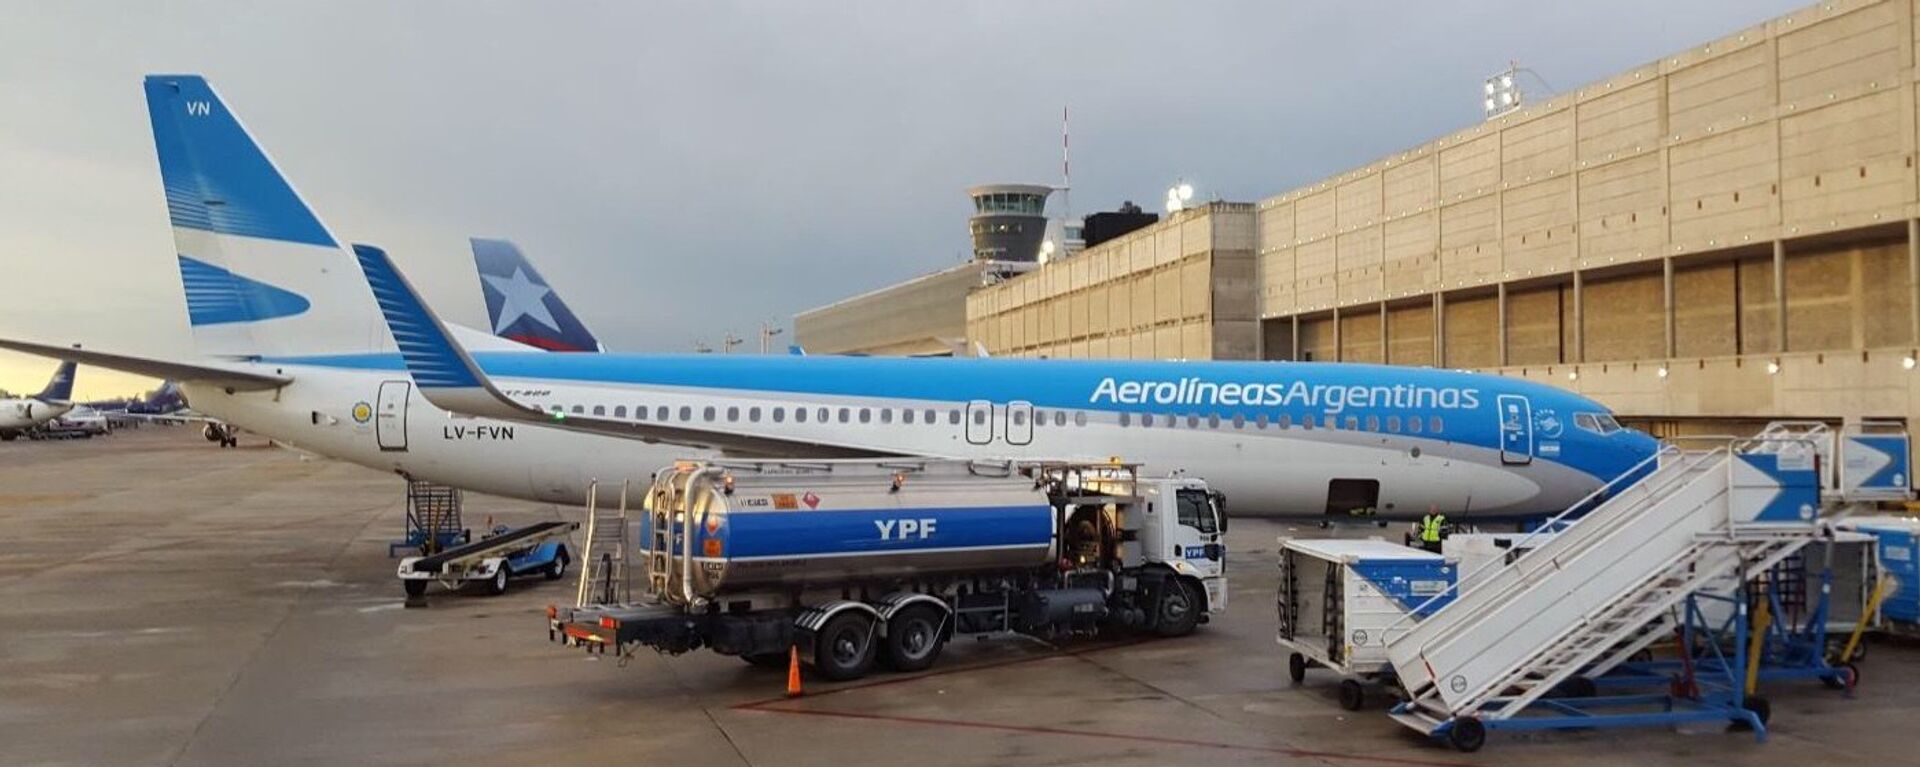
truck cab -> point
(1184, 528)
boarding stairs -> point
(1611, 582)
(605, 563)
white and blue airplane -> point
(21, 414)
(294, 346)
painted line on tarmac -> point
(771, 705)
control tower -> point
(1009, 221)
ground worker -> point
(1430, 529)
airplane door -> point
(390, 420)
(1019, 423)
(980, 422)
(1516, 429)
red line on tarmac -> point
(768, 705)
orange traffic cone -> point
(793, 672)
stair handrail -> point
(1666, 451)
(586, 551)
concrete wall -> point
(921, 316)
(1180, 289)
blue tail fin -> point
(60, 388)
(262, 274)
(521, 305)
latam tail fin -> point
(522, 306)
(60, 387)
(262, 274)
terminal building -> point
(1712, 240)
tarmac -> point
(166, 602)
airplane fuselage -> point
(1276, 438)
(26, 413)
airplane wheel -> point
(1297, 668)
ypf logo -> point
(362, 412)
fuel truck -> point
(858, 563)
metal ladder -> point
(660, 514)
(604, 562)
(1597, 592)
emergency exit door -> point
(1516, 429)
(390, 417)
(979, 422)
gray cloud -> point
(680, 169)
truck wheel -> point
(557, 569)
(1297, 668)
(414, 587)
(497, 585)
(914, 638)
(843, 649)
(1178, 611)
(1467, 734)
(766, 659)
(1352, 695)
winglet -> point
(441, 368)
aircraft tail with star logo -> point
(521, 305)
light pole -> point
(1179, 195)
(767, 332)
(727, 344)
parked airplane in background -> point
(19, 414)
(521, 306)
(294, 347)
(160, 401)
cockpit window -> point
(1598, 423)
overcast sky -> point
(683, 169)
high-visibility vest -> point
(1430, 527)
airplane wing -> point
(449, 378)
(210, 372)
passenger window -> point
(753, 414)
(1039, 418)
(980, 417)
(1286, 421)
(1019, 417)
(708, 414)
(1393, 424)
(660, 413)
(906, 416)
(620, 411)
(1126, 419)
(733, 414)
(1239, 421)
(933, 417)
(557, 408)
(640, 412)
(1080, 418)
(780, 414)
(953, 417)
(686, 412)
(1353, 423)
(1213, 420)
(866, 415)
(886, 415)
(1373, 423)
(822, 415)
(1331, 422)
(599, 409)
(1146, 419)
(1193, 421)
(1413, 424)
(799, 415)
(1434, 424)
(579, 410)
(845, 415)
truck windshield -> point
(1195, 511)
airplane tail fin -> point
(60, 387)
(521, 306)
(262, 274)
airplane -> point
(20, 414)
(295, 346)
(522, 306)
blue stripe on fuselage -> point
(1092, 385)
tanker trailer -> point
(864, 562)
